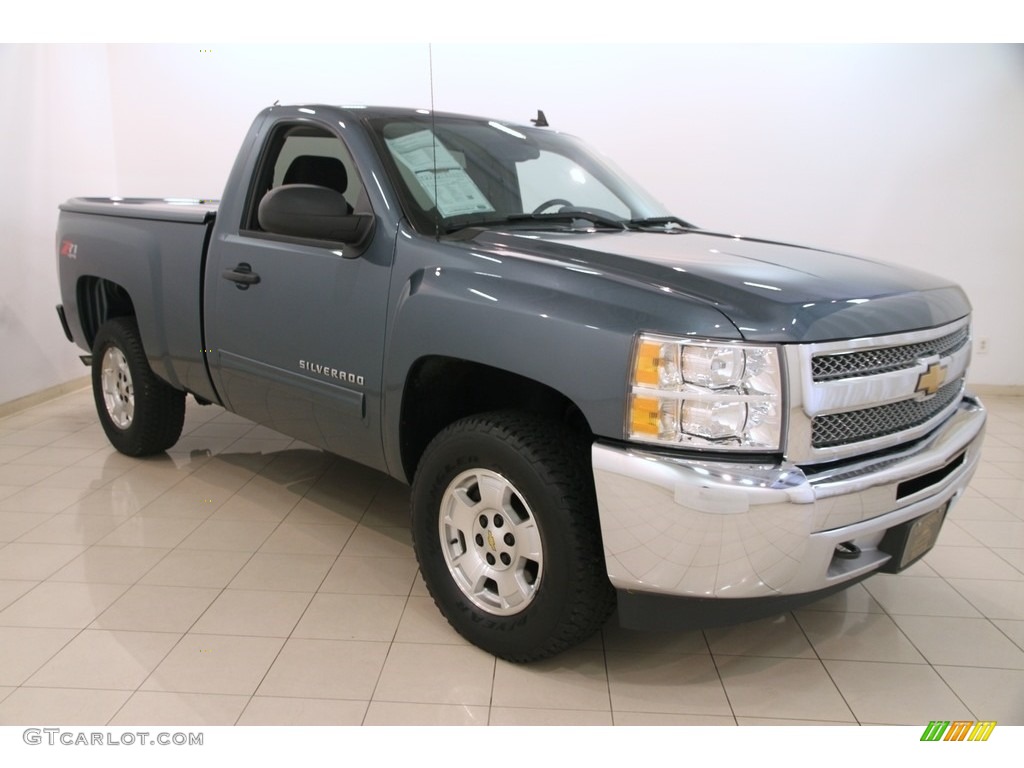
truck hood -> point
(770, 291)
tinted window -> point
(306, 154)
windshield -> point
(457, 172)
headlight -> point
(701, 394)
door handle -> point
(242, 276)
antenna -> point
(433, 141)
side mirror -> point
(312, 212)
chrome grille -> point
(870, 362)
(867, 423)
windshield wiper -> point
(572, 215)
(527, 218)
(661, 221)
(599, 219)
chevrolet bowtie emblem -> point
(928, 383)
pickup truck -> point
(597, 404)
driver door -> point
(296, 325)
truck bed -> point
(187, 210)
(152, 249)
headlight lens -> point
(720, 395)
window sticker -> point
(456, 192)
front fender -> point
(571, 330)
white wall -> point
(911, 154)
(57, 142)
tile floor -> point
(247, 579)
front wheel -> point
(140, 413)
(506, 534)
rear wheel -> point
(507, 537)
(140, 413)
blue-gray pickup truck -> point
(597, 404)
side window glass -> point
(304, 154)
(320, 160)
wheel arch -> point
(440, 390)
(100, 300)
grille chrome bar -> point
(867, 423)
(870, 362)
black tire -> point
(505, 529)
(140, 413)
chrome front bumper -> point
(704, 529)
